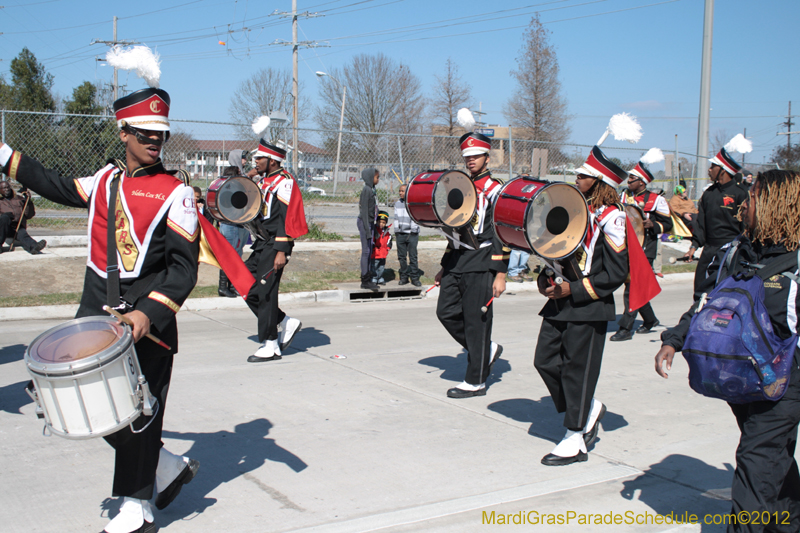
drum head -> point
(238, 200)
(72, 342)
(455, 199)
(636, 216)
(556, 221)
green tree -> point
(30, 84)
(84, 100)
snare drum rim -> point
(585, 229)
(474, 208)
(82, 366)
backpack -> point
(731, 348)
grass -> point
(666, 268)
(67, 298)
(316, 232)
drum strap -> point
(112, 268)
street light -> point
(341, 123)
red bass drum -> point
(548, 219)
(441, 198)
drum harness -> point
(482, 201)
(150, 405)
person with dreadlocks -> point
(766, 479)
(575, 318)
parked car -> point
(320, 178)
(314, 190)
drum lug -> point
(143, 394)
(31, 390)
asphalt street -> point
(352, 431)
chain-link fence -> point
(329, 163)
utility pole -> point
(705, 90)
(112, 44)
(788, 125)
(295, 82)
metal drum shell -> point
(90, 397)
(216, 192)
(421, 195)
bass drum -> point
(234, 200)
(436, 199)
(636, 215)
(545, 218)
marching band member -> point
(657, 220)
(147, 220)
(716, 223)
(281, 221)
(471, 276)
(575, 318)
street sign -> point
(489, 132)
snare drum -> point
(548, 219)
(86, 377)
(234, 200)
(446, 198)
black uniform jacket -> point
(604, 264)
(156, 233)
(715, 223)
(657, 209)
(276, 189)
(781, 294)
(490, 255)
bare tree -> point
(267, 90)
(538, 106)
(449, 95)
(382, 96)
(721, 138)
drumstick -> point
(486, 307)
(264, 279)
(128, 321)
(430, 289)
(673, 260)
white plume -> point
(739, 144)
(624, 128)
(465, 118)
(653, 155)
(260, 124)
(144, 61)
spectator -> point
(382, 243)
(406, 232)
(201, 203)
(682, 206)
(12, 216)
(517, 266)
(367, 215)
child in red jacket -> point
(381, 244)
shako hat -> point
(624, 128)
(146, 109)
(471, 143)
(738, 144)
(641, 170)
(266, 149)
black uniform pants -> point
(709, 251)
(766, 480)
(568, 357)
(263, 297)
(461, 297)
(628, 317)
(136, 457)
(407, 248)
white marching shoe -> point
(269, 351)
(596, 413)
(570, 450)
(172, 473)
(286, 331)
(135, 516)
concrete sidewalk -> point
(368, 440)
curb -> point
(207, 304)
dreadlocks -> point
(602, 194)
(777, 215)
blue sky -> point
(639, 56)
